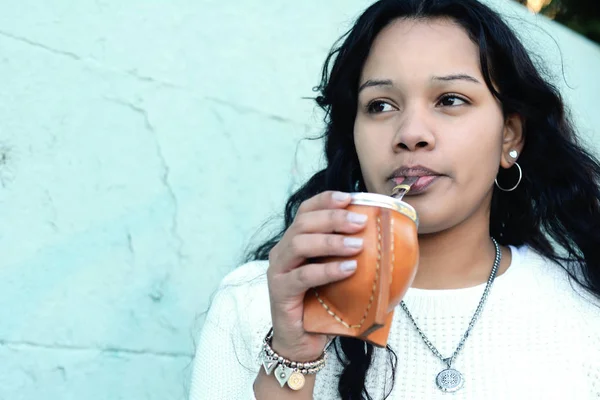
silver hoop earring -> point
(516, 185)
(357, 186)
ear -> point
(512, 139)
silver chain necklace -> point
(450, 380)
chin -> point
(434, 222)
(423, 231)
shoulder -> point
(570, 310)
(248, 273)
(242, 295)
(240, 307)
(558, 286)
(231, 337)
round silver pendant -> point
(449, 380)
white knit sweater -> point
(537, 338)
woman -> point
(442, 90)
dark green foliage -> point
(582, 16)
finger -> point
(301, 279)
(325, 200)
(314, 245)
(329, 221)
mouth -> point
(425, 178)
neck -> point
(457, 258)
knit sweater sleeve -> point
(226, 365)
(592, 329)
(588, 310)
(594, 367)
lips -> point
(420, 185)
(426, 177)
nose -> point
(414, 132)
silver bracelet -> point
(286, 371)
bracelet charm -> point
(282, 374)
(286, 371)
(296, 381)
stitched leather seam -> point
(372, 298)
(392, 250)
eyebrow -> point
(374, 83)
(446, 78)
(455, 77)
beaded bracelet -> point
(286, 371)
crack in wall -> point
(62, 371)
(25, 345)
(8, 162)
(42, 46)
(130, 247)
(133, 73)
(226, 132)
(149, 79)
(250, 110)
(165, 174)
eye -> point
(452, 100)
(379, 106)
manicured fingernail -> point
(340, 196)
(353, 242)
(348, 266)
(357, 218)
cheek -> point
(367, 149)
(477, 154)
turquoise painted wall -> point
(141, 145)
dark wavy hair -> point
(555, 210)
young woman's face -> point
(424, 110)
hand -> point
(317, 231)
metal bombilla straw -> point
(399, 191)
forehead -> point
(409, 48)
